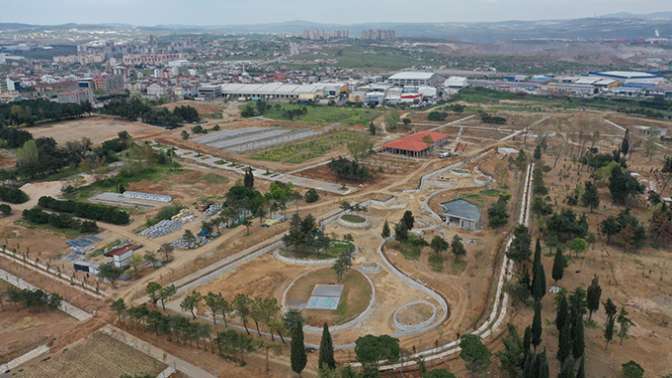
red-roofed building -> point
(418, 144)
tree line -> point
(134, 108)
(62, 221)
(96, 212)
(33, 299)
(30, 112)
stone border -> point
(404, 328)
(340, 327)
(308, 262)
(357, 226)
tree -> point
(298, 349)
(623, 186)
(536, 324)
(342, 265)
(590, 197)
(326, 358)
(581, 372)
(564, 343)
(593, 296)
(248, 178)
(625, 144)
(165, 295)
(311, 196)
(386, 230)
(184, 134)
(153, 290)
(119, 307)
(438, 373)
(475, 355)
(624, 324)
(610, 309)
(242, 305)
(370, 349)
(538, 274)
(558, 265)
(109, 272)
(166, 249)
(520, 251)
(438, 244)
(497, 214)
(408, 220)
(578, 245)
(561, 311)
(360, 147)
(372, 128)
(578, 345)
(512, 357)
(631, 369)
(401, 232)
(190, 303)
(214, 303)
(457, 247)
(567, 369)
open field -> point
(299, 152)
(22, 330)
(325, 114)
(97, 129)
(97, 356)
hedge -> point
(13, 195)
(102, 213)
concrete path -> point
(156, 353)
(66, 307)
(18, 361)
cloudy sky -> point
(223, 12)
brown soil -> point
(98, 129)
(97, 356)
(415, 314)
(22, 330)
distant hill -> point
(616, 26)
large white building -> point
(281, 91)
(415, 78)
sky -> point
(229, 12)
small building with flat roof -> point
(462, 213)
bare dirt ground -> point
(22, 330)
(7, 159)
(98, 129)
(97, 356)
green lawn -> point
(325, 114)
(299, 152)
(352, 218)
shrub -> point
(5, 209)
(349, 170)
(13, 195)
(103, 213)
(437, 116)
(312, 196)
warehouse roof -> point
(276, 88)
(415, 142)
(412, 75)
(625, 74)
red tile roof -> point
(415, 142)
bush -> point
(312, 196)
(13, 195)
(91, 211)
(62, 221)
(5, 209)
(349, 170)
(437, 116)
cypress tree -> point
(610, 309)
(558, 265)
(581, 373)
(298, 349)
(248, 178)
(538, 275)
(527, 341)
(564, 343)
(567, 369)
(536, 325)
(543, 371)
(578, 345)
(386, 230)
(528, 366)
(326, 359)
(562, 311)
(593, 296)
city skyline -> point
(237, 12)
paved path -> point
(156, 353)
(18, 361)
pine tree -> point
(610, 309)
(538, 275)
(298, 349)
(326, 359)
(593, 296)
(536, 325)
(558, 265)
(386, 230)
(590, 197)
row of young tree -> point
(36, 300)
(135, 108)
(96, 212)
(63, 221)
(30, 112)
